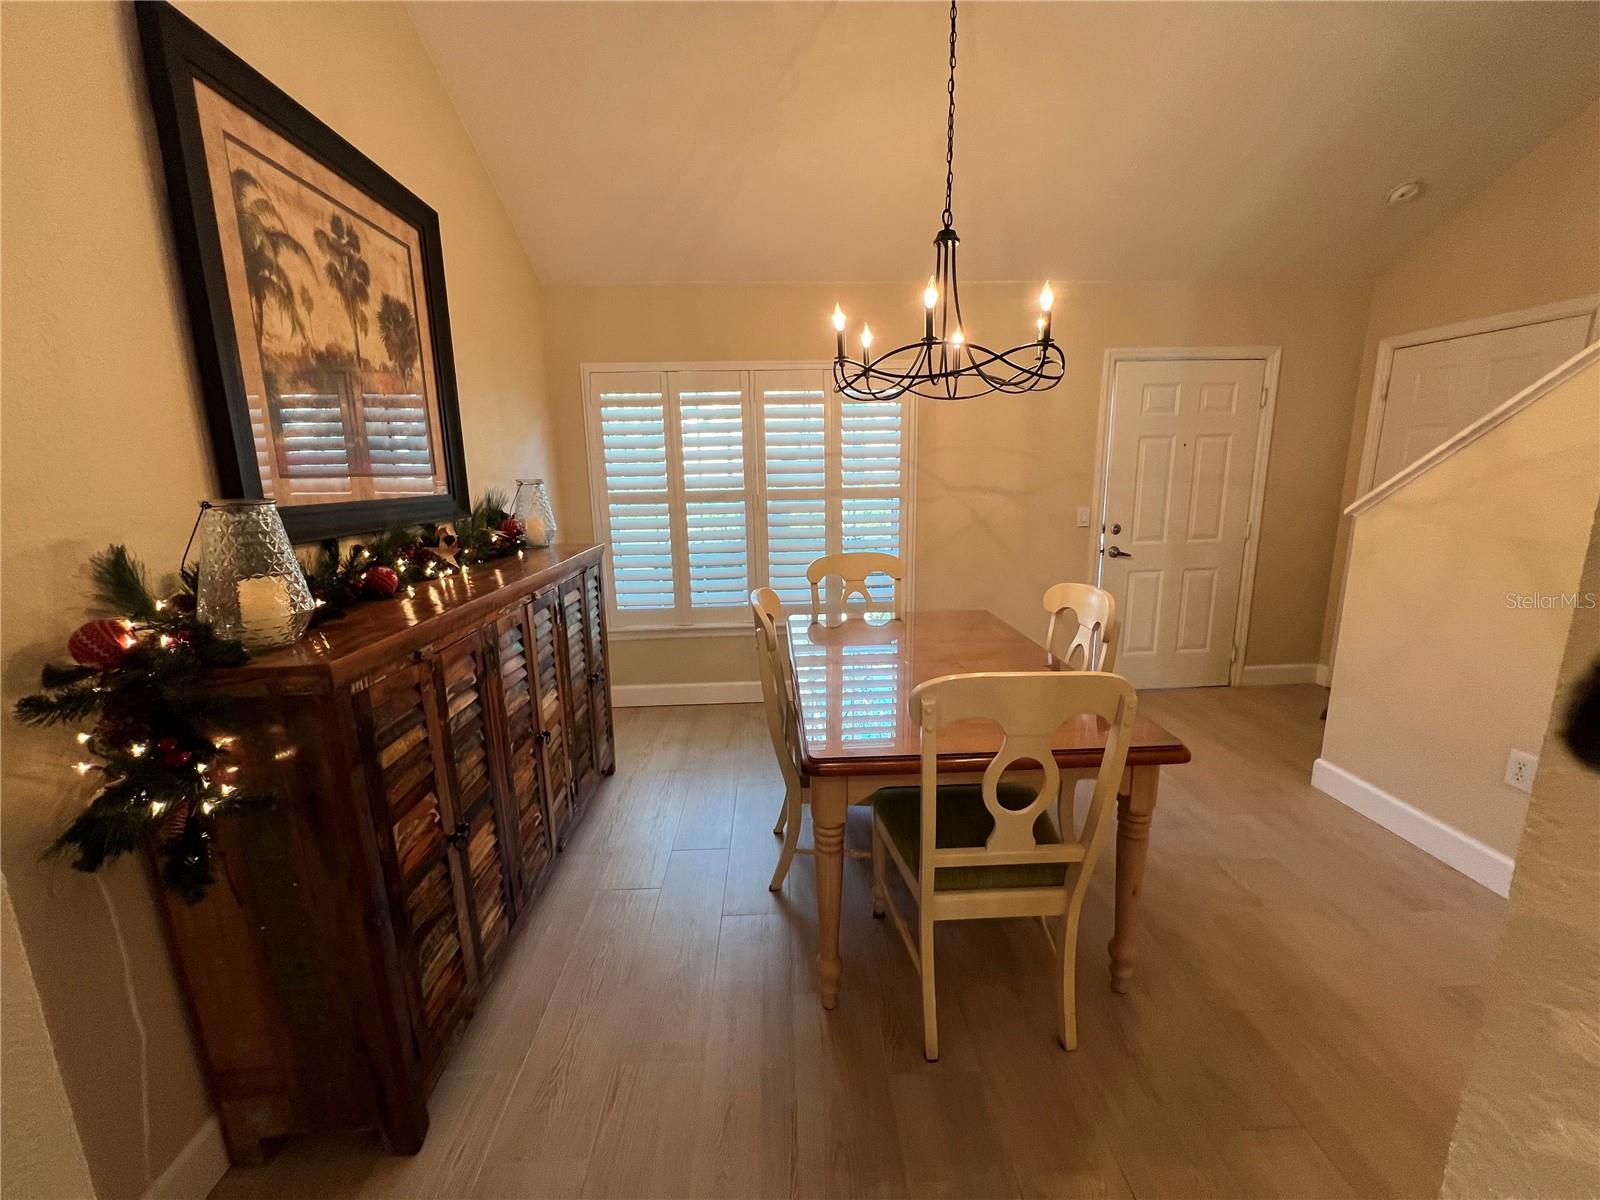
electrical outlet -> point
(1521, 767)
(1083, 516)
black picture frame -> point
(177, 52)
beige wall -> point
(1529, 1124)
(1439, 677)
(42, 1155)
(104, 441)
(1530, 238)
(999, 480)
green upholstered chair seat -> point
(964, 822)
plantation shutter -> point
(712, 481)
(795, 443)
(711, 418)
(631, 414)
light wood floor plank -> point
(654, 1030)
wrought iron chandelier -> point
(945, 364)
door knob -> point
(1118, 552)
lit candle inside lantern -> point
(930, 300)
(533, 528)
(264, 609)
(838, 329)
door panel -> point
(462, 675)
(1437, 389)
(524, 769)
(398, 719)
(551, 713)
(594, 616)
(580, 722)
(1182, 454)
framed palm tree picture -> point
(315, 288)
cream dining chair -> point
(990, 849)
(779, 699)
(1091, 614)
(852, 569)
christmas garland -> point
(164, 769)
(163, 772)
(398, 559)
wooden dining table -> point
(854, 674)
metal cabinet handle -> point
(458, 836)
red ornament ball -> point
(101, 643)
(381, 582)
(511, 527)
(171, 754)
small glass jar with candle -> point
(531, 506)
(251, 585)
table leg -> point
(828, 810)
(1136, 803)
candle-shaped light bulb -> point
(866, 338)
(930, 294)
(838, 333)
(1046, 297)
(957, 338)
(838, 318)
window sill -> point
(650, 633)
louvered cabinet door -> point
(594, 616)
(580, 718)
(550, 710)
(397, 719)
(463, 675)
(514, 661)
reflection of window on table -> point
(339, 441)
(867, 680)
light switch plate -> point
(1521, 767)
(1083, 516)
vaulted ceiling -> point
(662, 142)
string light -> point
(225, 789)
(137, 749)
(157, 807)
(226, 740)
(83, 768)
(83, 737)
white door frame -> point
(1270, 357)
(1384, 366)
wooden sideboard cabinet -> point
(431, 756)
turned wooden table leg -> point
(828, 809)
(1136, 803)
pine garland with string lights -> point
(395, 561)
(165, 773)
(163, 768)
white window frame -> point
(683, 620)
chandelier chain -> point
(950, 126)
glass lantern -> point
(531, 506)
(251, 585)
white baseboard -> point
(199, 1167)
(1448, 844)
(646, 695)
(1276, 673)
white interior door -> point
(1437, 389)
(1181, 456)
